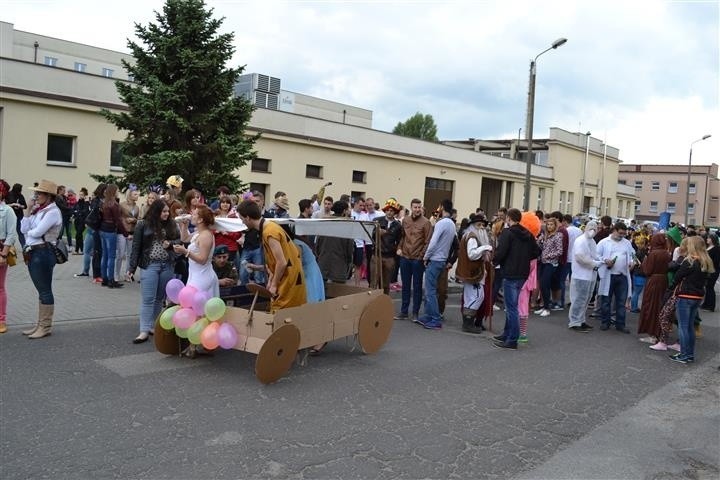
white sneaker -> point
(539, 311)
(544, 313)
(496, 308)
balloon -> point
(181, 332)
(209, 336)
(172, 289)
(199, 300)
(214, 309)
(196, 330)
(186, 296)
(227, 336)
(184, 317)
(166, 317)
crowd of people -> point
(522, 262)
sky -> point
(643, 76)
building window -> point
(561, 203)
(51, 61)
(655, 187)
(116, 156)
(692, 188)
(107, 72)
(653, 207)
(670, 207)
(61, 149)
(691, 208)
(356, 195)
(80, 67)
(541, 199)
(672, 187)
(313, 171)
(260, 165)
(638, 184)
(359, 177)
(570, 202)
(637, 205)
(622, 182)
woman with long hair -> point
(16, 200)
(690, 280)
(200, 250)
(8, 237)
(229, 239)
(655, 269)
(42, 229)
(130, 214)
(713, 250)
(551, 244)
(153, 239)
(111, 226)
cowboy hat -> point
(46, 186)
(477, 217)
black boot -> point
(469, 324)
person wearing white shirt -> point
(41, 229)
(471, 269)
(616, 252)
(585, 262)
(358, 213)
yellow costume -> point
(291, 288)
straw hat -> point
(174, 181)
(283, 202)
(46, 186)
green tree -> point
(418, 126)
(182, 117)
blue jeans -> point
(547, 270)
(411, 276)
(638, 286)
(686, 309)
(432, 273)
(107, 262)
(153, 280)
(42, 263)
(88, 248)
(618, 289)
(511, 292)
(255, 256)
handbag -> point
(59, 249)
(12, 257)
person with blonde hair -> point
(690, 280)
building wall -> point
(671, 189)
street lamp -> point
(687, 191)
(584, 176)
(529, 121)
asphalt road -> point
(87, 403)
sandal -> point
(315, 351)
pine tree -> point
(182, 117)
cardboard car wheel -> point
(166, 342)
(375, 324)
(277, 353)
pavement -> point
(87, 403)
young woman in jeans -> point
(41, 228)
(552, 248)
(109, 228)
(691, 278)
(152, 252)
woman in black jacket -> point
(713, 249)
(152, 252)
(690, 280)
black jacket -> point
(516, 247)
(142, 244)
(391, 238)
(691, 279)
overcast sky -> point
(643, 75)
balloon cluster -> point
(197, 317)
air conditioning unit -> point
(261, 90)
(265, 100)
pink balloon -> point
(186, 296)
(209, 336)
(184, 317)
(199, 300)
(227, 336)
(172, 289)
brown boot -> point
(698, 331)
(32, 330)
(45, 325)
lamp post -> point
(587, 154)
(687, 190)
(529, 121)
